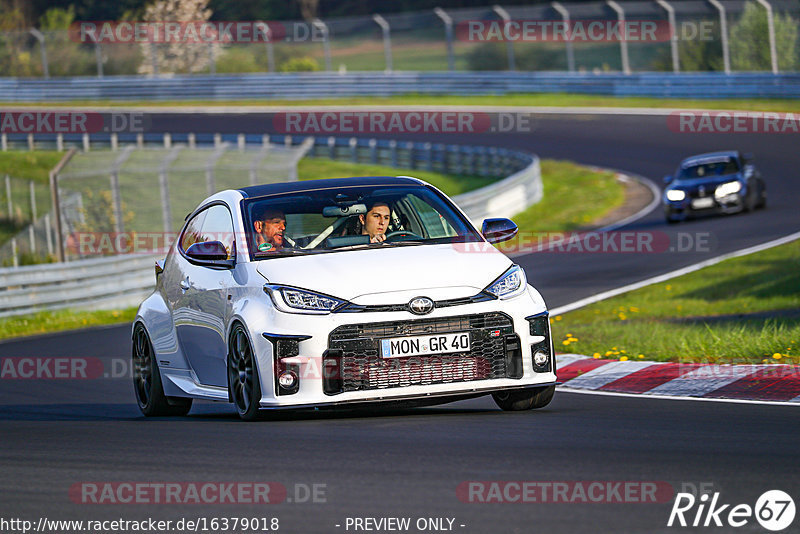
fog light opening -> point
(540, 359)
(287, 380)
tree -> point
(698, 55)
(15, 54)
(750, 40)
(174, 57)
(308, 9)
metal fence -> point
(138, 187)
(149, 189)
(433, 40)
(97, 283)
(25, 228)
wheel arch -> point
(262, 349)
(156, 317)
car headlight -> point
(728, 188)
(510, 283)
(295, 300)
(675, 195)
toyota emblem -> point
(420, 305)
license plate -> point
(400, 347)
(700, 203)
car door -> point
(202, 306)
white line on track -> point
(566, 389)
(672, 274)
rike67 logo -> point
(774, 510)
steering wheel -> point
(403, 235)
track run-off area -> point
(416, 463)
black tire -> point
(670, 220)
(762, 201)
(749, 204)
(244, 386)
(525, 399)
(147, 380)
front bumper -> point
(308, 356)
(681, 209)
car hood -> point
(351, 274)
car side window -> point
(432, 221)
(192, 233)
(218, 226)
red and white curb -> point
(765, 383)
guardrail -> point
(125, 280)
(294, 86)
(118, 281)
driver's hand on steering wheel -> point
(377, 238)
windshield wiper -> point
(401, 243)
(358, 246)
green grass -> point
(34, 166)
(741, 310)
(574, 196)
(314, 168)
(526, 99)
(60, 320)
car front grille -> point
(353, 361)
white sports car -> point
(338, 292)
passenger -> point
(375, 222)
(269, 227)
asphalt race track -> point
(409, 463)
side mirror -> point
(668, 179)
(210, 254)
(498, 230)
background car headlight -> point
(675, 195)
(291, 298)
(511, 283)
(728, 188)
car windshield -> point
(348, 218)
(699, 170)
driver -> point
(269, 227)
(375, 222)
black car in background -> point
(715, 182)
